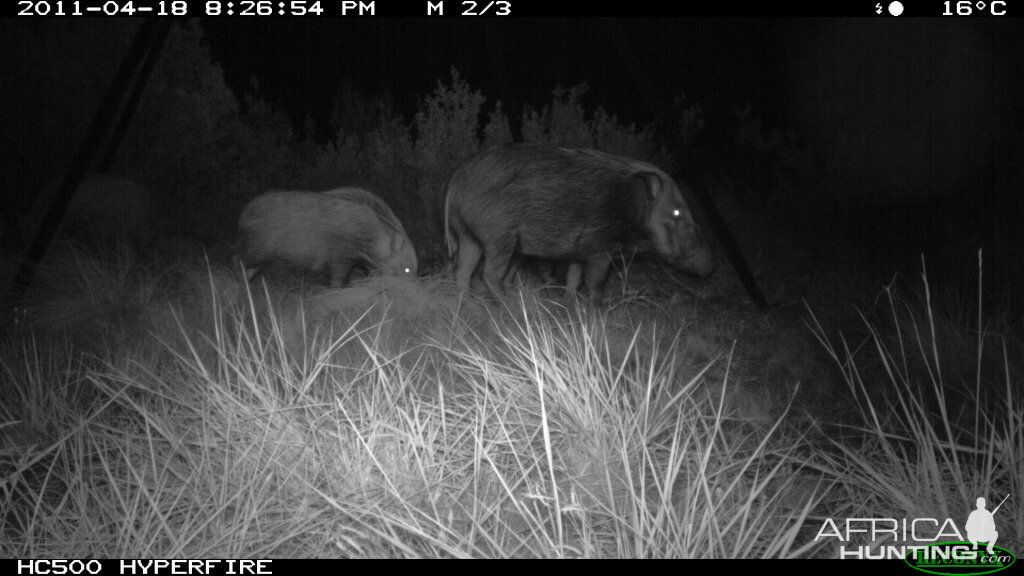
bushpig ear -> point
(650, 182)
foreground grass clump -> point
(241, 444)
(940, 416)
(396, 419)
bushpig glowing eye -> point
(407, 270)
(676, 213)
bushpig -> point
(572, 206)
(332, 232)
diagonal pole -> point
(93, 137)
(133, 99)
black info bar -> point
(249, 9)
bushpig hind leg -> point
(452, 255)
(596, 274)
(496, 264)
(573, 278)
(466, 260)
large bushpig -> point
(332, 232)
(571, 206)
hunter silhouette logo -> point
(963, 558)
(981, 527)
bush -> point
(564, 122)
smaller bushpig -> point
(333, 232)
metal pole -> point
(93, 136)
(133, 99)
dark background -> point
(914, 126)
(907, 106)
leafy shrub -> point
(565, 122)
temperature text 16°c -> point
(972, 7)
